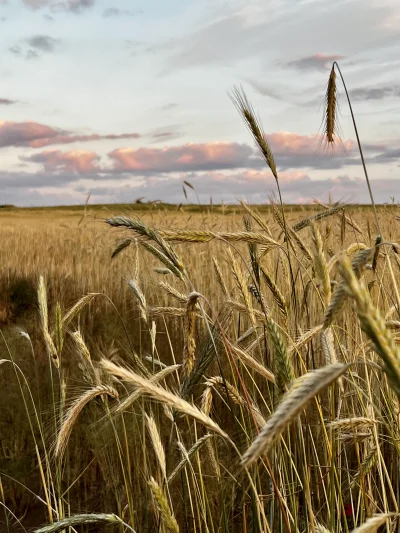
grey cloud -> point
(375, 93)
(314, 62)
(168, 107)
(7, 101)
(115, 12)
(16, 50)
(75, 6)
(235, 187)
(43, 43)
(33, 47)
(36, 4)
(228, 187)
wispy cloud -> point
(36, 135)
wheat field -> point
(201, 368)
(225, 329)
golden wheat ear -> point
(248, 115)
(330, 111)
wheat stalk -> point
(301, 392)
(373, 524)
(196, 446)
(73, 412)
(81, 520)
(157, 444)
(163, 506)
(135, 395)
(373, 325)
(189, 346)
(161, 394)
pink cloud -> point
(207, 156)
(287, 143)
(36, 135)
(80, 161)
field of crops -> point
(229, 369)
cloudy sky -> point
(128, 98)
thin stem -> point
(335, 64)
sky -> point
(124, 99)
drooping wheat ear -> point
(140, 297)
(358, 264)
(291, 405)
(234, 394)
(320, 264)
(173, 291)
(330, 122)
(59, 334)
(328, 346)
(355, 247)
(220, 277)
(373, 524)
(202, 236)
(206, 400)
(351, 424)
(211, 344)
(236, 397)
(142, 230)
(135, 395)
(373, 325)
(284, 372)
(81, 520)
(319, 528)
(44, 320)
(318, 216)
(242, 308)
(77, 308)
(366, 466)
(172, 311)
(276, 293)
(120, 247)
(83, 350)
(189, 346)
(331, 127)
(302, 247)
(347, 219)
(246, 359)
(257, 218)
(378, 241)
(304, 339)
(248, 115)
(73, 412)
(163, 507)
(162, 395)
(157, 444)
(242, 286)
(196, 446)
(164, 259)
